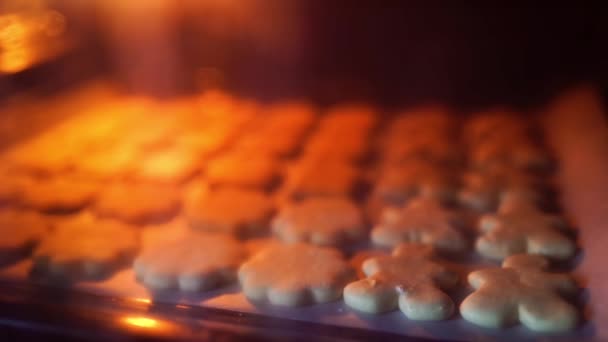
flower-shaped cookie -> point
(295, 274)
(241, 213)
(138, 203)
(195, 261)
(521, 291)
(321, 221)
(421, 221)
(408, 279)
(85, 248)
(523, 230)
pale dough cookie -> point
(295, 274)
(19, 232)
(241, 213)
(196, 261)
(59, 194)
(310, 178)
(245, 170)
(138, 203)
(521, 291)
(85, 248)
(397, 184)
(421, 221)
(525, 230)
(408, 280)
(321, 221)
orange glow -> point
(141, 322)
(142, 300)
(24, 38)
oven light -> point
(141, 322)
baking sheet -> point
(580, 143)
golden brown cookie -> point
(241, 213)
(85, 248)
(67, 193)
(320, 221)
(172, 165)
(318, 177)
(295, 274)
(20, 231)
(397, 184)
(408, 280)
(521, 291)
(243, 170)
(483, 189)
(421, 221)
(138, 203)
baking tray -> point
(577, 131)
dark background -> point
(392, 52)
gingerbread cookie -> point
(421, 221)
(59, 194)
(505, 151)
(85, 248)
(397, 184)
(241, 213)
(243, 170)
(408, 279)
(521, 291)
(138, 203)
(295, 274)
(20, 231)
(498, 122)
(482, 190)
(525, 230)
(196, 261)
(321, 221)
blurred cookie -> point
(241, 213)
(397, 184)
(138, 203)
(243, 170)
(20, 231)
(311, 178)
(84, 248)
(171, 165)
(59, 194)
(196, 261)
(321, 221)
